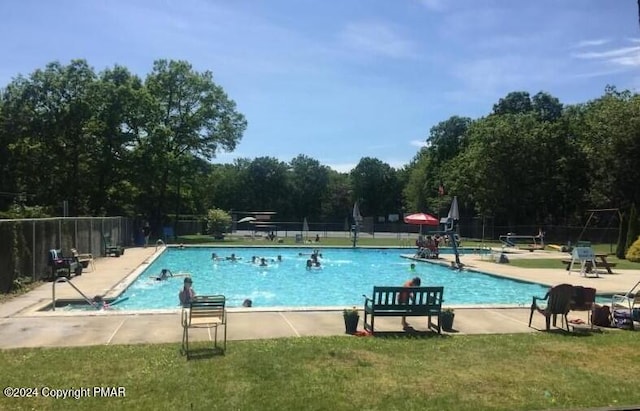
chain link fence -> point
(25, 243)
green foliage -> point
(633, 254)
(516, 102)
(115, 143)
(375, 185)
(218, 221)
(22, 211)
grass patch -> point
(557, 263)
(488, 372)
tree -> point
(337, 201)
(268, 187)
(375, 185)
(447, 138)
(309, 182)
(634, 226)
(610, 139)
(190, 116)
(516, 102)
(44, 121)
(546, 107)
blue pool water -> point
(345, 275)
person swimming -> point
(164, 275)
(99, 303)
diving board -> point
(525, 242)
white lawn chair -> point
(627, 301)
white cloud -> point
(418, 143)
(625, 56)
(591, 43)
(376, 38)
(609, 53)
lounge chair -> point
(558, 303)
(63, 266)
(207, 311)
(627, 301)
(86, 260)
(110, 248)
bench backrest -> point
(207, 306)
(419, 298)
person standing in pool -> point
(187, 293)
(404, 296)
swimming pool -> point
(345, 275)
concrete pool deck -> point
(23, 325)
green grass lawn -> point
(479, 372)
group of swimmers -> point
(262, 262)
(314, 261)
(232, 257)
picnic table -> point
(601, 262)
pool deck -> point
(23, 325)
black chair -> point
(63, 266)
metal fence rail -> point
(25, 243)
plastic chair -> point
(558, 300)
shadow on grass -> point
(202, 353)
(410, 332)
(577, 332)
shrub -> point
(218, 221)
(633, 254)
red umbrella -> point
(421, 219)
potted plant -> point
(446, 319)
(351, 318)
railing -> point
(66, 280)
(160, 242)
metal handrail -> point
(66, 280)
(160, 242)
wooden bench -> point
(385, 302)
(589, 266)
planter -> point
(351, 323)
(446, 320)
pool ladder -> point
(160, 242)
(66, 280)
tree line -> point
(112, 143)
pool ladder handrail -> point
(160, 242)
(68, 281)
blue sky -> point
(342, 80)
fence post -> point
(33, 252)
